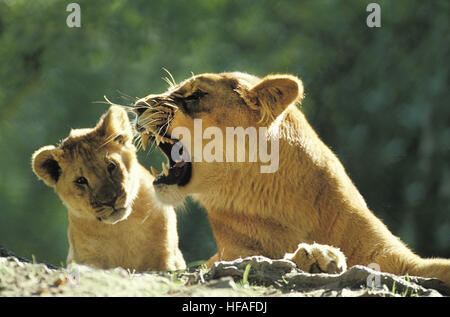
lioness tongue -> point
(145, 138)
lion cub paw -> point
(318, 258)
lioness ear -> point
(274, 93)
(45, 165)
(116, 126)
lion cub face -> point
(93, 170)
(205, 105)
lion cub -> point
(114, 219)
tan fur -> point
(309, 199)
(142, 234)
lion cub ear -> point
(115, 125)
(45, 165)
(274, 93)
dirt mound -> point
(253, 276)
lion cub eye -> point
(81, 181)
(112, 167)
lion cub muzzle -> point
(106, 202)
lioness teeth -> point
(165, 169)
(144, 139)
(154, 171)
(158, 139)
(167, 140)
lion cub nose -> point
(106, 195)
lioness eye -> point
(140, 110)
(196, 95)
(111, 167)
(81, 180)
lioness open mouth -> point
(153, 119)
(178, 170)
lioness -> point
(114, 219)
(297, 211)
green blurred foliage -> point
(377, 96)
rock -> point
(263, 270)
(223, 282)
(284, 274)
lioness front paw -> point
(318, 258)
